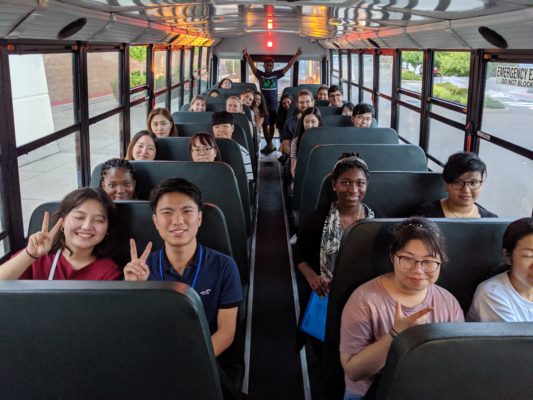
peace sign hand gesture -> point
(401, 322)
(136, 269)
(299, 51)
(40, 243)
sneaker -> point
(269, 148)
(294, 239)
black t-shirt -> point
(269, 87)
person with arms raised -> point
(268, 84)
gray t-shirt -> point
(369, 314)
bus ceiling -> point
(442, 24)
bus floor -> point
(276, 368)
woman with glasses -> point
(203, 148)
(463, 174)
(508, 297)
(383, 307)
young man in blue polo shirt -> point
(268, 83)
(177, 205)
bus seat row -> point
(177, 149)
(134, 220)
(473, 256)
(379, 157)
(193, 122)
(218, 186)
(344, 135)
(459, 361)
(394, 194)
(105, 340)
(293, 90)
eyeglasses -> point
(199, 150)
(407, 263)
(459, 184)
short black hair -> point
(362, 108)
(462, 162)
(348, 105)
(515, 232)
(175, 185)
(268, 59)
(348, 161)
(221, 117)
(333, 89)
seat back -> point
(293, 90)
(342, 135)
(394, 194)
(460, 361)
(134, 221)
(218, 186)
(379, 157)
(86, 340)
(189, 129)
(337, 120)
(174, 149)
(177, 149)
(473, 249)
(234, 91)
(328, 110)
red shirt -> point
(103, 269)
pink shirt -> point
(369, 314)
(103, 269)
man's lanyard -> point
(198, 266)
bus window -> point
(409, 124)
(138, 116)
(103, 81)
(48, 173)
(175, 73)
(411, 75)
(187, 65)
(385, 74)
(229, 68)
(137, 66)
(160, 70)
(42, 88)
(384, 107)
(368, 71)
(451, 75)
(105, 140)
(508, 191)
(444, 140)
(204, 72)
(308, 71)
(508, 115)
(509, 97)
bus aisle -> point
(275, 367)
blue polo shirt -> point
(218, 282)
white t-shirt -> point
(497, 300)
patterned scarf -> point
(331, 238)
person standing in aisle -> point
(268, 83)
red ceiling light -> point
(270, 44)
(270, 23)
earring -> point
(62, 229)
